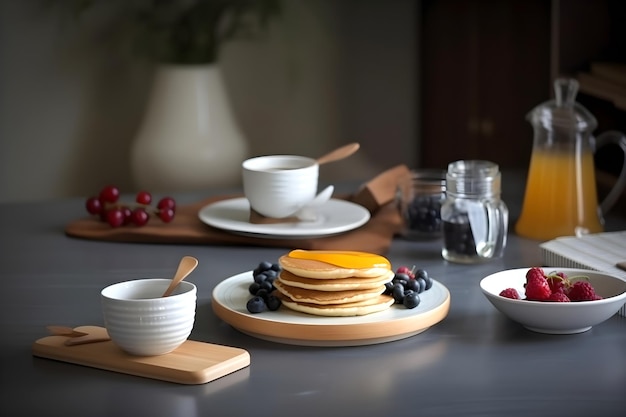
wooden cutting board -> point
(192, 363)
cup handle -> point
(489, 224)
(619, 139)
(499, 213)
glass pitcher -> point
(561, 197)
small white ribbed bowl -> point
(142, 322)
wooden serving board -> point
(192, 363)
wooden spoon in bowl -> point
(340, 153)
(186, 265)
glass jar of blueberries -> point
(419, 200)
(474, 218)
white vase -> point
(189, 139)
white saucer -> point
(335, 216)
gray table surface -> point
(473, 363)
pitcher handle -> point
(619, 139)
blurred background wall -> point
(420, 82)
(328, 73)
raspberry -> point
(534, 272)
(537, 288)
(582, 291)
(558, 282)
(406, 270)
(559, 297)
(510, 293)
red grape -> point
(166, 202)
(109, 194)
(115, 217)
(166, 215)
(116, 214)
(140, 216)
(94, 206)
(127, 214)
(144, 197)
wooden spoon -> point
(86, 334)
(186, 265)
(64, 331)
(340, 153)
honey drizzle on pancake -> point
(343, 259)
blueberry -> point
(270, 273)
(260, 277)
(256, 305)
(421, 273)
(388, 288)
(264, 275)
(458, 236)
(254, 288)
(265, 265)
(262, 267)
(411, 299)
(413, 285)
(429, 283)
(402, 275)
(400, 281)
(268, 286)
(423, 214)
(273, 303)
(422, 284)
(398, 293)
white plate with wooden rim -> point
(291, 327)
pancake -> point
(302, 295)
(362, 308)
(336, 284)
(310, 268)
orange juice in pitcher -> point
(561, 196)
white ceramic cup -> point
(142, 322)
(278, 186)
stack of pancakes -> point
(319, 288)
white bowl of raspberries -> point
(555, 300)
